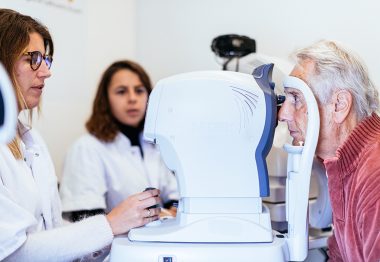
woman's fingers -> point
(151, 212)
(150, 202)
(147, 194)
(150, 219)
(137, 210)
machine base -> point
(125, 250)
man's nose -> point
(286, 112)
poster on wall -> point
(75, 6)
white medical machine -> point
(8, 108)
(320, 213)
(214, 129)
(238, 53)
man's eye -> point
(291, 99)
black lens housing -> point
(232, 45)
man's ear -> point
(343, 101)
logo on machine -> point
(246, 98)
(167, 258)
(247, 103)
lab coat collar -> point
(123, 143)
(31, 148)
(43, 172)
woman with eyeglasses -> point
(31, 226)
(112, 161)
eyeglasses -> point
(36, 59)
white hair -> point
(336, 68)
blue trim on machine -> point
(263, 77)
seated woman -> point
(112, 162)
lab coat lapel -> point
(41, 169)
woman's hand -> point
(133, 212)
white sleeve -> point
(83, 185)
(13, 223)
(68, 242)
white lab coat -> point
(99, 175)
(29, 201)
(30, 211)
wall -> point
(111, 36)
(174, 36)
(88, 36)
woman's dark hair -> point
(102, 124)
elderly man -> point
(348, 144)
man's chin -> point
(298, 142)
(295, 142)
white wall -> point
(111, 36)
(174, 36)
(88, 36)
